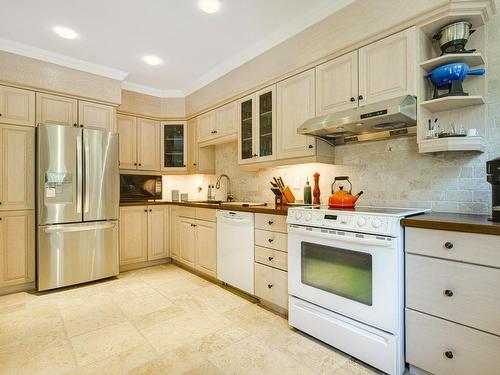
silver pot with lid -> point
(453, 37)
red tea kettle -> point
(342, 198)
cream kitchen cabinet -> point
(337, 84)
(174, 140)
(139, 143)
(271, 284)
(97, 116)
(206, 126)
(192, 147)
(218, 125)
(17, 106)
(382, 70)
(54, 109)
(17, 167)
(198, 239)
(294, 105)
(143, 233)
(257, 127)
(387, 68)
(17, 248)
(174, 232)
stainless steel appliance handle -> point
(364, 239)
(86, 182)
(77, 227)
(79, 168)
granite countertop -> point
(454, 222)
(269, 209)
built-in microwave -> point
(139, 188)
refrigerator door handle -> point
(87, 177)
(79, 168)
(78, 227)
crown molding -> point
(136, 87)
(62, 60)
(297, 25)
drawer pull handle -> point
(448, 245)
(270, 258)
(269, 286)
(270, 240)
(448, 354)
(448, 293)
(270, 222)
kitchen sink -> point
(208, 202)
(244, 204)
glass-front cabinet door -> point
(246, 139)
(174, 145)
(266, 124)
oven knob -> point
(361, 221)
(376, 223)
(298, 215)
(308, 217)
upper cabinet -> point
(139, 143)
(173, 146)
(218, 125)
(386, 70)
(257, 126)
(54, 109)
(192, 149)
(294, 105)
(17, 106)
(98, 116)
(17, 167)
(337, 84)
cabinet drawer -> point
(466, 247)
(273, 240)
(187, 212)
(270, 257)
(271, 285)
(460, 292)
(207, 214)
(276, 223)
(429, 339)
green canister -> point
(307, 193)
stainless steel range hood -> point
(386, 119)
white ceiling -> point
(196, 47)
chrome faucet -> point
(229, 196)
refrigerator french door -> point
(78, 196)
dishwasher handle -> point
(235, 221)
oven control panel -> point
(344, 221)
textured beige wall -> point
(38, 74)
(148, 105)
(341, 30)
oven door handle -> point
(386, 242)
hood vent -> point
(390, 118)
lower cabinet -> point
(271, 284)
(143, 233)
(198, 241)
(17, 247)
(174, 232)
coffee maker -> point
(493, 177)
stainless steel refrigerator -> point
(78, 205)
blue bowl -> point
(443, 75)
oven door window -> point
(342, 272)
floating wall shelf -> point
(452, 144)
(451, 102)
(471, 59)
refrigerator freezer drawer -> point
(75, 253)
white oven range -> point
(346, 280)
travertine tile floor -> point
(158, 320)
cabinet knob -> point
(269, 286)
(184, 165)
(448, 245)
(448, 293)
(270, 240)
(0, 115)
(254, 155)
(140, 164)
(311, 146)
(270, 222)
(135, 163)
(81, 125)
(75, 125)
(270, 258)
(360, 97)
(194, 164)
(448, 354)
(145, 210)
(150, 210)
(215, 131)
(353, 99)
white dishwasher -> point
(235, 249)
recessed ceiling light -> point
(152, 60)
(209, 6)
(64, 32)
